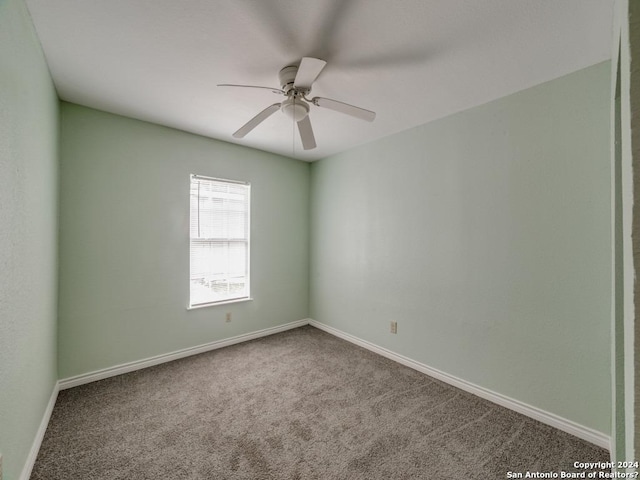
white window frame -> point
(246, 295)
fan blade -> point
(308, 71)
(274, 90)
(306, 133)
(257, 120)
(341, 107)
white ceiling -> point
(411, 61)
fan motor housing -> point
(287, 77)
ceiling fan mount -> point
(296, 83)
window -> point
(219, 241)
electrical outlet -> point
(394, 327)
(227, 318)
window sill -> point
(224, 302)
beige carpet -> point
(297, 405)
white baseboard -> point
(580, 431)
(37, 442)
(168, 357)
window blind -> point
(219, 240)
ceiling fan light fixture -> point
(295, 109)
(296, 83)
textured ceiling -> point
(411, 61)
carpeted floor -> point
(297, 405)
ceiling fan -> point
(296, 82)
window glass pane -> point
(219, 240)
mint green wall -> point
(486, 236)
(124, 247)
(28, 235)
